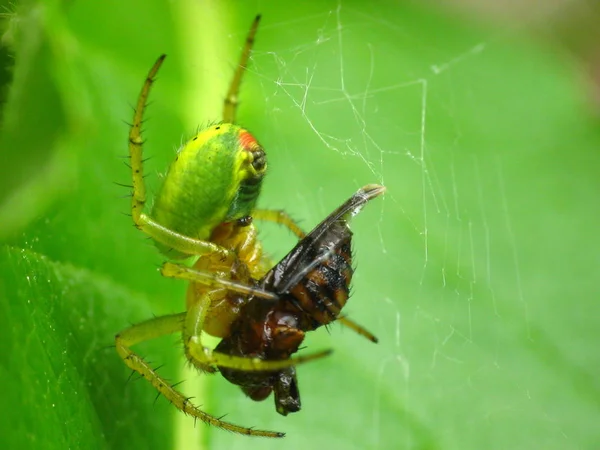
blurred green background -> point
(478, 270)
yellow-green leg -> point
(280, 217)
(169, 238)
(182, 272)
(357, 328)
(232, 99)
(230, 105)
(155, 328)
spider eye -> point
(259, 161)
(244, 221)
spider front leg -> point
(232, 99)
(168, 238)
(209, 279)
(154, 328)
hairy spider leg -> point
(231, 101)
(230, 106)
(280, 217)
(183, 272)
(345, 321)
(155, 328)
(142, 221)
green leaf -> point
(59, 360)
(477, 271)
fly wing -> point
(324, 241)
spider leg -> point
(138, 199)
(180, 271)
(155, 328)
(232, 99)
(280, 217)
(357, 328)
(180, 242)
(169, 238)
(205, 358)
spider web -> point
(344, 97)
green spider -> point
(205, 208)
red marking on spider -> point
(248, 141)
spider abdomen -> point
(215, 178)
